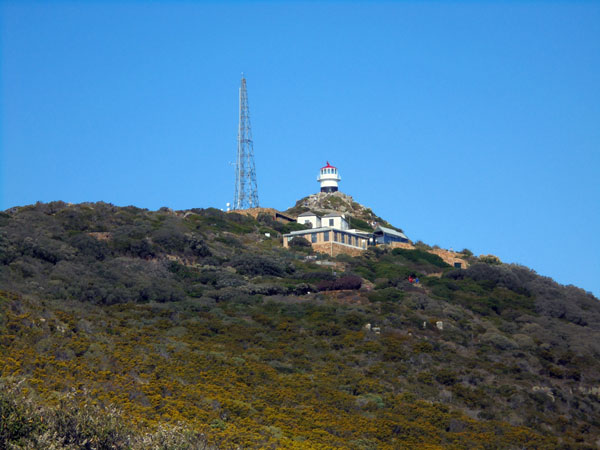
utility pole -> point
(246, 190)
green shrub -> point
(299, 242)
(386, 295)
(170, 239)
(499, 341)
(425, 377)
(423, 347)
(317, 275)
(446, 377)
(490, 259)
(393, 348)
(90, 247)
(197, 246)
(343, 283)
(418, 255)
(292, 226)
(133, 241)
(17, 421)
(359, 224)
(249, 264)
(218, 220)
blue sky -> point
(468, 124)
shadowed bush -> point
(250, 264)
(349, 282)
(299, 242)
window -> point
(326, 236)
(335, 236)
(330, 222)
(313, 237)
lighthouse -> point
(329, 178)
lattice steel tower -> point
(246, 191)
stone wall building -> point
(331, 240)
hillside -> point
(122, 327)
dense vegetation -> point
(129, 328)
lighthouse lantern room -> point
(329, 178)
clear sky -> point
(467, 124)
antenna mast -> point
(246, 191)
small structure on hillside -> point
(335, 220)
(383, 235)
(331, 220)
(309, 219)
(329, 178)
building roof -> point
(333, 215)
(365, 234)
(284, 216)
(318, 230)
(310, 230)
(307, 213)
(390, 232)
(328, 166)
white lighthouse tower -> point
(329, 178)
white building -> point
(309, 218)
(335, 220)
(329, 234)
(329, 178)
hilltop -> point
(322, 203)
(128, 328)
